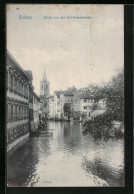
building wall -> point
(36, 107)
(84, 103)
(51, 108)
(62, 102)
(76, 103)
(102, 103)
(45, 106)
(65, 99)
(31, 112)
(17, 103)
(76, 107)
(56, 106)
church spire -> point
(44, 76)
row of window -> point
(16, 132)
(16, 86)
(77, 100)
(91, 100)
(16, 112)
(68, 100)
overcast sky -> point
(72, 51)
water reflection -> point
(66, 159)
(107, 163)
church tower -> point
(44, 86)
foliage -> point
(113, 91)
(115, 95)
(102, 125)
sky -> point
(72, 51)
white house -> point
(51, 107)
(86, 101)
(57, 104)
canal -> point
(68, 158)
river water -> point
(68, 158)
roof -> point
(57, 93)
(35, 95)
(49, 96)
(68, 94)
(16, 64)
(52, 97)
(29, 73)
(85, 96)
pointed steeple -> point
(44, 76)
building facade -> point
(57, 104)
(17, 102)
(66, 102)
(76, 105)
(31, 90)
(51, 107)
(36, 107)
(84, 102)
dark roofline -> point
(51, 96)
(57, 93)
(36, 96)
(29, 73)
(67, 94)
(17, 65)
(87, 97)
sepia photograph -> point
(65, 95)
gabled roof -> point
(49, 97)
(85, 96)
(57, 93)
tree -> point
(115, 95)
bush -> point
(102, 126)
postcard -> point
(65, 95)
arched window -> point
(15, 112)
(7, 78)
(11, 112)
(19, 112)
(11, 82)
(22, 89)
(17, 86)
